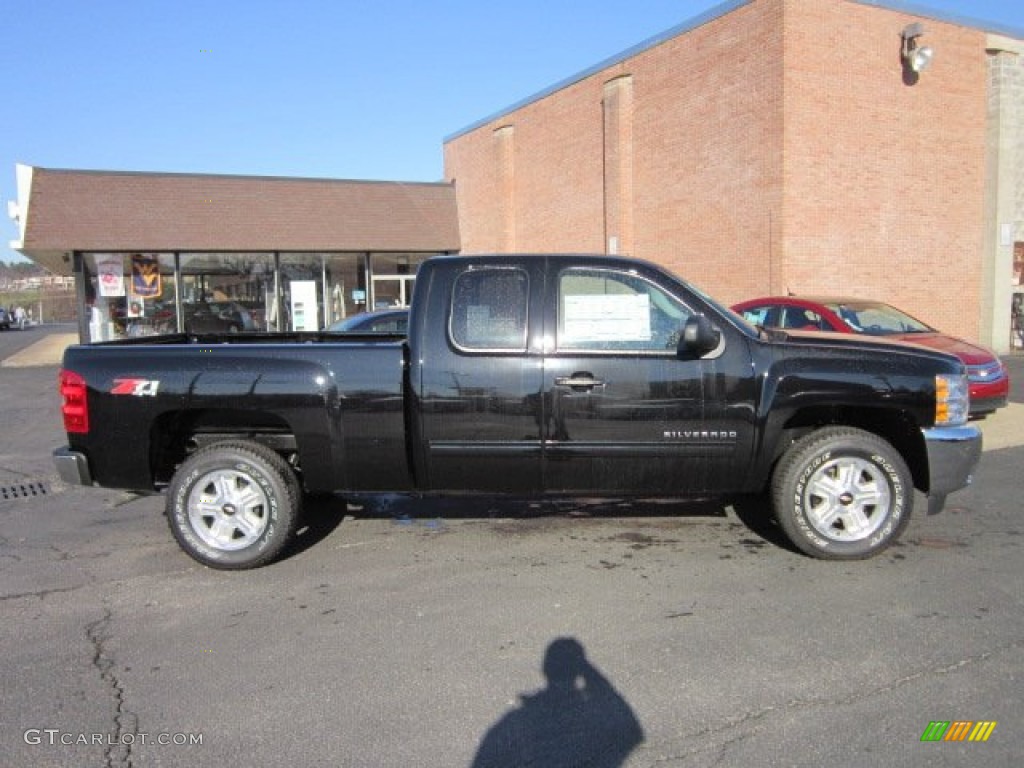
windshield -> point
(749, 328)
(877, 319)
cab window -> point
(489, 310)
(607, 310)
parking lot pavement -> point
(405, 632)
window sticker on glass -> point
(483, 328)
(607, 318)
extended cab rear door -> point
(476, 411)
(624, 412)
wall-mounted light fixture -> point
(916, 58)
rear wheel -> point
(234, 505)
(842, 493)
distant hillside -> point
(19, 270)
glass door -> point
(390, 291)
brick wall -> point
(884, 181)
(702, 130)
(708, 159)
(554, 181)
(774, 148)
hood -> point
(835, 369)
(971, 354)
(850, 345)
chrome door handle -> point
(579, 381)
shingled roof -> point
(69, 210)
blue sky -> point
(338, 89)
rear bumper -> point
(953, 453)
(72, 466)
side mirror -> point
(699, 337)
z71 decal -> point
(137, 387)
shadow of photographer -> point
(578, 719)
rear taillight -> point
(75, 407)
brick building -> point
(775, 146)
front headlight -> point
(952, 400)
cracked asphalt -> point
(403, 633)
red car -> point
(989, 380)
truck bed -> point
(343, 395)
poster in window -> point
(145, 276)
(110, 275)
(625, 317)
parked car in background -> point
(381, 321)
(5, 320)
(217, 317)
(989, 380)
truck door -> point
(478, 386)
(625, 412)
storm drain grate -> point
(25, 490)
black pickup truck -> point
(535, 374)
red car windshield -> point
(877, 319)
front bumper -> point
(72, 466)
(989, 386)
(981, 406)
(953, 453)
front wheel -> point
(233, 505)
(842, 494)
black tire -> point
(234, 505)
(842, 494)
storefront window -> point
(318, 289)
(393, 277)
(226, 292)
(345, 286)
(129, 294)
(144, 294)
